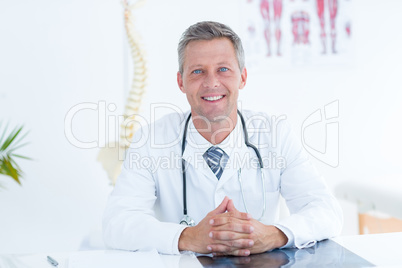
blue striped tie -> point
(213, 157)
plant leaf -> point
(21, 138)
(8, 144)
(9, 151)
(21, 156)
(10, 138)
(3, 134)
(8, 169)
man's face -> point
(211, 79)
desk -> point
(380, 250)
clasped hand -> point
(227, 231)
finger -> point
(219, 248)
(239, 215)
(231, 223)
(231, 216)
(241, 252)
(222, 250)
(231, 206)
(221, 208)
(239, 227)
(233, 210)
(226, 246)
(228, 236)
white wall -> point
(54, 55)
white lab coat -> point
(146, 205)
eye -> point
(196, 71)
(223, 69)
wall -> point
(55, 55)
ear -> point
(243, 77)
(180, 82)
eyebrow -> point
(195, 66)
(200, 65)
(223, 63)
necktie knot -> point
(215, 160)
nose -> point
(211, 80)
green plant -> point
(8, 144)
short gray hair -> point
(208, 30)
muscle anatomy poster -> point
(283, 33)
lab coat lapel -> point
(196, 145)
(236, 158)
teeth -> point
(213, 98)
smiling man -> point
(210, 77)
(222, 195)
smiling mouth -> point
(214, 98)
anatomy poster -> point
(284, 33)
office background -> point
(57, 54)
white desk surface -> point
(382, 250)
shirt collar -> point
(197, 145)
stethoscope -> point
(187, 220)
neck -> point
(216, 131)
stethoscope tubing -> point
(183, 166)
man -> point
(233, 201)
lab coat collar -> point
(236, 156)
(195, 147)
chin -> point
(218, 117)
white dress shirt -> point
(146, 205)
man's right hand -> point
(197, 238)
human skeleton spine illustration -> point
(111, 157)
(139, 78)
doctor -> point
(209, 181)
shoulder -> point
(170, 120)
(170, 124)
(265, 122)
(165, 130)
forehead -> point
(209, 51)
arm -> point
(314, 213)
(129, 221)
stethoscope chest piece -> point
(187, 220)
